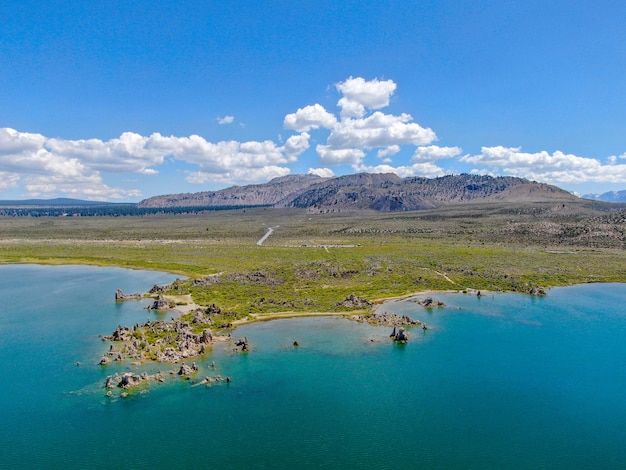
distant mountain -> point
(610, 196)
(59, 202)
(382, 192)
(268, 194)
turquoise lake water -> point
(501, 381)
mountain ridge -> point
(386, 192)
(609, 196)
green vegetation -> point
(312, 262)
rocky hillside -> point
(382, 192)
(271, 193)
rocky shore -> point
(160, 341)
(177, 340)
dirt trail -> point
(266, 236)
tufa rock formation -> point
(399, 335)
(119, 295)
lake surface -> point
(501, 381)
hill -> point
(381, 192)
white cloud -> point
(225, 120)
(295, 145)
(323, 172)
(379, 130)
(51, 167)
(130, 152)
(391, 150)
(82, 187)
(237, 175)
(556, 168)
(15, 143)
(360, 129)
(309, 117)
(330, 156)
(226, 156)
(614, 158)
(426, 169)
(8, 180)
(433, 153)
(359, 95)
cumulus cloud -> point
(296, 145)
(50, 166)
(225, 120)
(323, 172)
(359, 95)
(309, 117)
(360, 127)
(330, 156)
(129, 153)
(614, 158)
(425, 169)
(225, 156)
(237, 175)
(433, 153)
(555, 168)
(379, 130)
(8, 180)
(386, 152)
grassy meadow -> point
(312, 261)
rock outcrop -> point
(119, 295)
(159, 304)
(353, 301)
(429, 302)
(399, 335)
(161, 341)
(242, 345)
(130, 379)
(387, 319)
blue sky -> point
(117, 100)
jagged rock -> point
(207, 337)
(113, 381)
(387, 319)
(353, 301)
(159, 304)
(430, 302)
(119, 295)
(538, 291)
(213, 310)
(399, 335)
(156, 289)
(242, 345)
(104, 361)
(187, 370)
(130, 379)
(121, 333)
